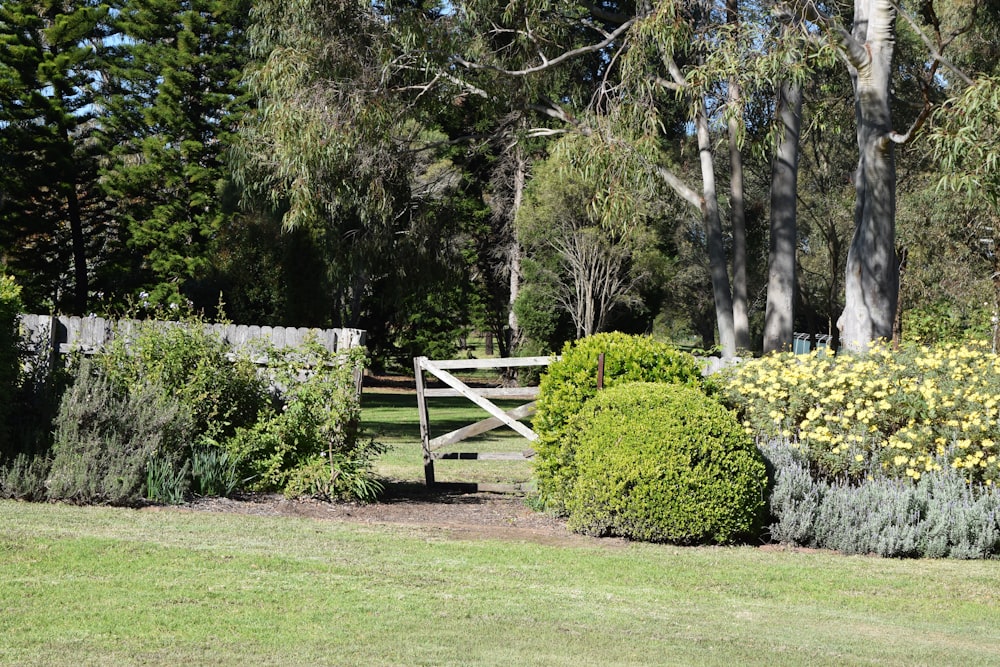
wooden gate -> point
(481, 397)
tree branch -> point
(546, 62)
(682, 189)
(855, 52)
(553, 110)
(669, 85)
(675, 71)
(897, 138)
(545, 132)
(935, 53)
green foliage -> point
(940, 516)
(944, 322)
(665, 463)
(537, 312)
(213, 471)
(311, 445)
(190, 363)
(431, 324)
(571, 380)
(173, 101)
(965, 142)
(10, 356)
(105, 438)
(24, 477)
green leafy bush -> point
(944, 322)
(940, 515)
(105, 439)
(570, 381)
(665, 463)
(192, 364)
(311, 444)
(24, 477)
(10, 356)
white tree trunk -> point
(779, 318)
(514, 255)
(741, 317)
(872, 278)
(713, 238)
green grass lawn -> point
(103, 586)
(106, 586)
(391, 416)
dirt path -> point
(461, 516)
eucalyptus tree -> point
(868, 46)
(320, 146)
(589, 272)
(349, 142)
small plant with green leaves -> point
(213, 471)
(311, 444)
(166, 481)
(572, 380)
(105, 439)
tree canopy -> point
(422, 168)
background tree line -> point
(540, 170)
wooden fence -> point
(481, 397)
(61, 334)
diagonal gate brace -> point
(498, 417)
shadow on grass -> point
(449, 493)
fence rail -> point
(90, 334)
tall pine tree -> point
(173, 100)
(51, 208)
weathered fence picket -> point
(90, 334)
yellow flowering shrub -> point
(898, 413)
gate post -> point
(425, 429)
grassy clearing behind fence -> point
(91, 585)
(391, 417)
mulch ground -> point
(458, 515)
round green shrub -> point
(665, 463)
(571, 380)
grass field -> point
(391, 416)
(107, 586)
(103, 586)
